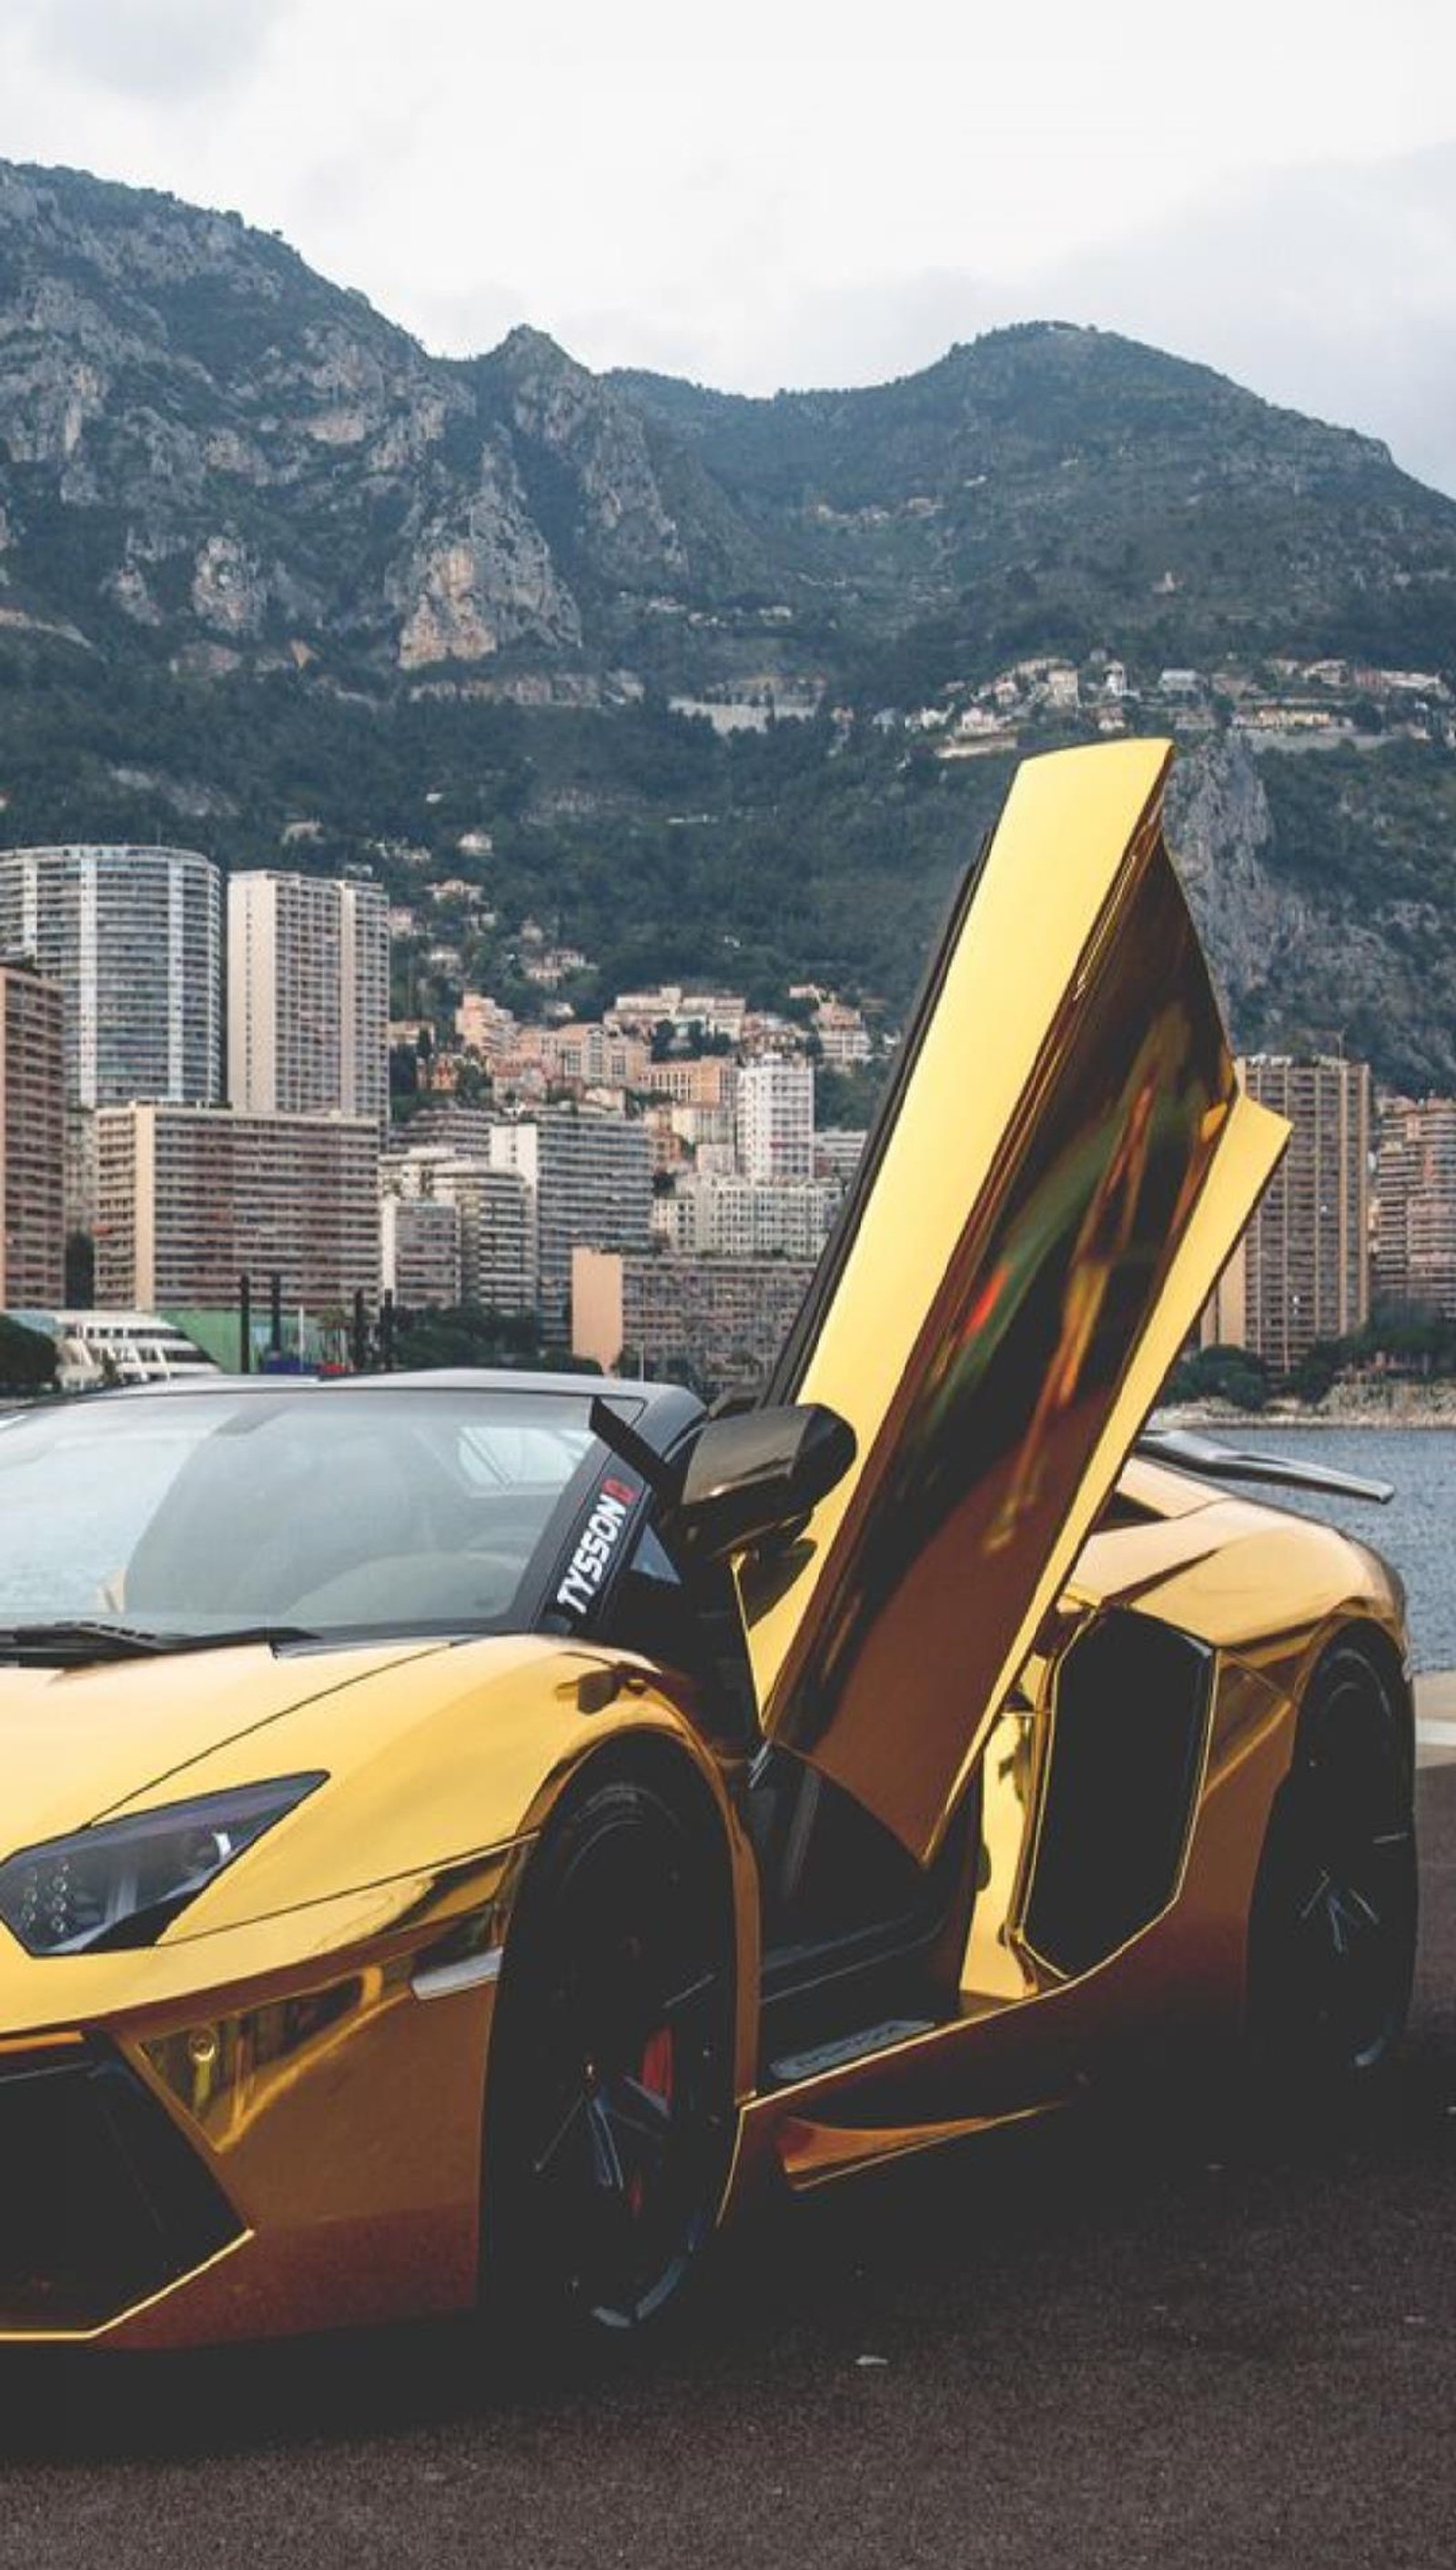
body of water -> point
(1417, 1531)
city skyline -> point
(619, 1136)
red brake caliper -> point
(654, 2071)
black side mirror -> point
(760, 1473)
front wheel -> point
(610, 2088)
(1334, 1927)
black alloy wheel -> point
(1334, 1927)
(610, 2083)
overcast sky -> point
(783, 192)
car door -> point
(1062, 1165)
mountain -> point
(206, 443)
(1047, 488)
(274, 578)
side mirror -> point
(758, 1473)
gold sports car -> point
(463, 1833)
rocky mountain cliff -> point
(204, 443)
(269, 570)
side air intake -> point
(1130, 1731)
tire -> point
(609, 2115)
(1332, 1931)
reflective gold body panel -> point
(1069, 1164)
(1270, 1591)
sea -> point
(1416, 1530)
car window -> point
(69, 1518)
(328, 1508)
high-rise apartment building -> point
(1415, 1205)
(839, 1152)
(449, 1124)
(191, 1199)
(307, 996)
(495, 1211)
(775, 1105)
(32, 1128)
(1301, 1271)
(499, 1258)
(133, 936)
(591, 1176)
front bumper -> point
(104, 2205)
(287, 2144)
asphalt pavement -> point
(1081, 2343)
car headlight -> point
(123, 1882)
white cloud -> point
(150, 50)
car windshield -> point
(324, 1508)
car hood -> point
(438, 1759)
(77, 1743)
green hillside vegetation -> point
(1048, 489)
(658, 847)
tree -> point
(848, 1099)
(470, 1335)
(1317, 1370)
(1228, 1374)
(27, 1358)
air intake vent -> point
(104, 2201)
(1130, 1728)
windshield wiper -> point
(80, 1640)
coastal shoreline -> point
(1434, 1409)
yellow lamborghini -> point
(463, 1833)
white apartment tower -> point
(420, 1250)
(133, 937)
(307, 996)
(776, 1107)
(495, 1221)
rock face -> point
(202, 440)
(481, 578)
(253, 456)
(1222, 833)
(1353, 950)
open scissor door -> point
(1063, 1167)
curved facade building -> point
(133, 937)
